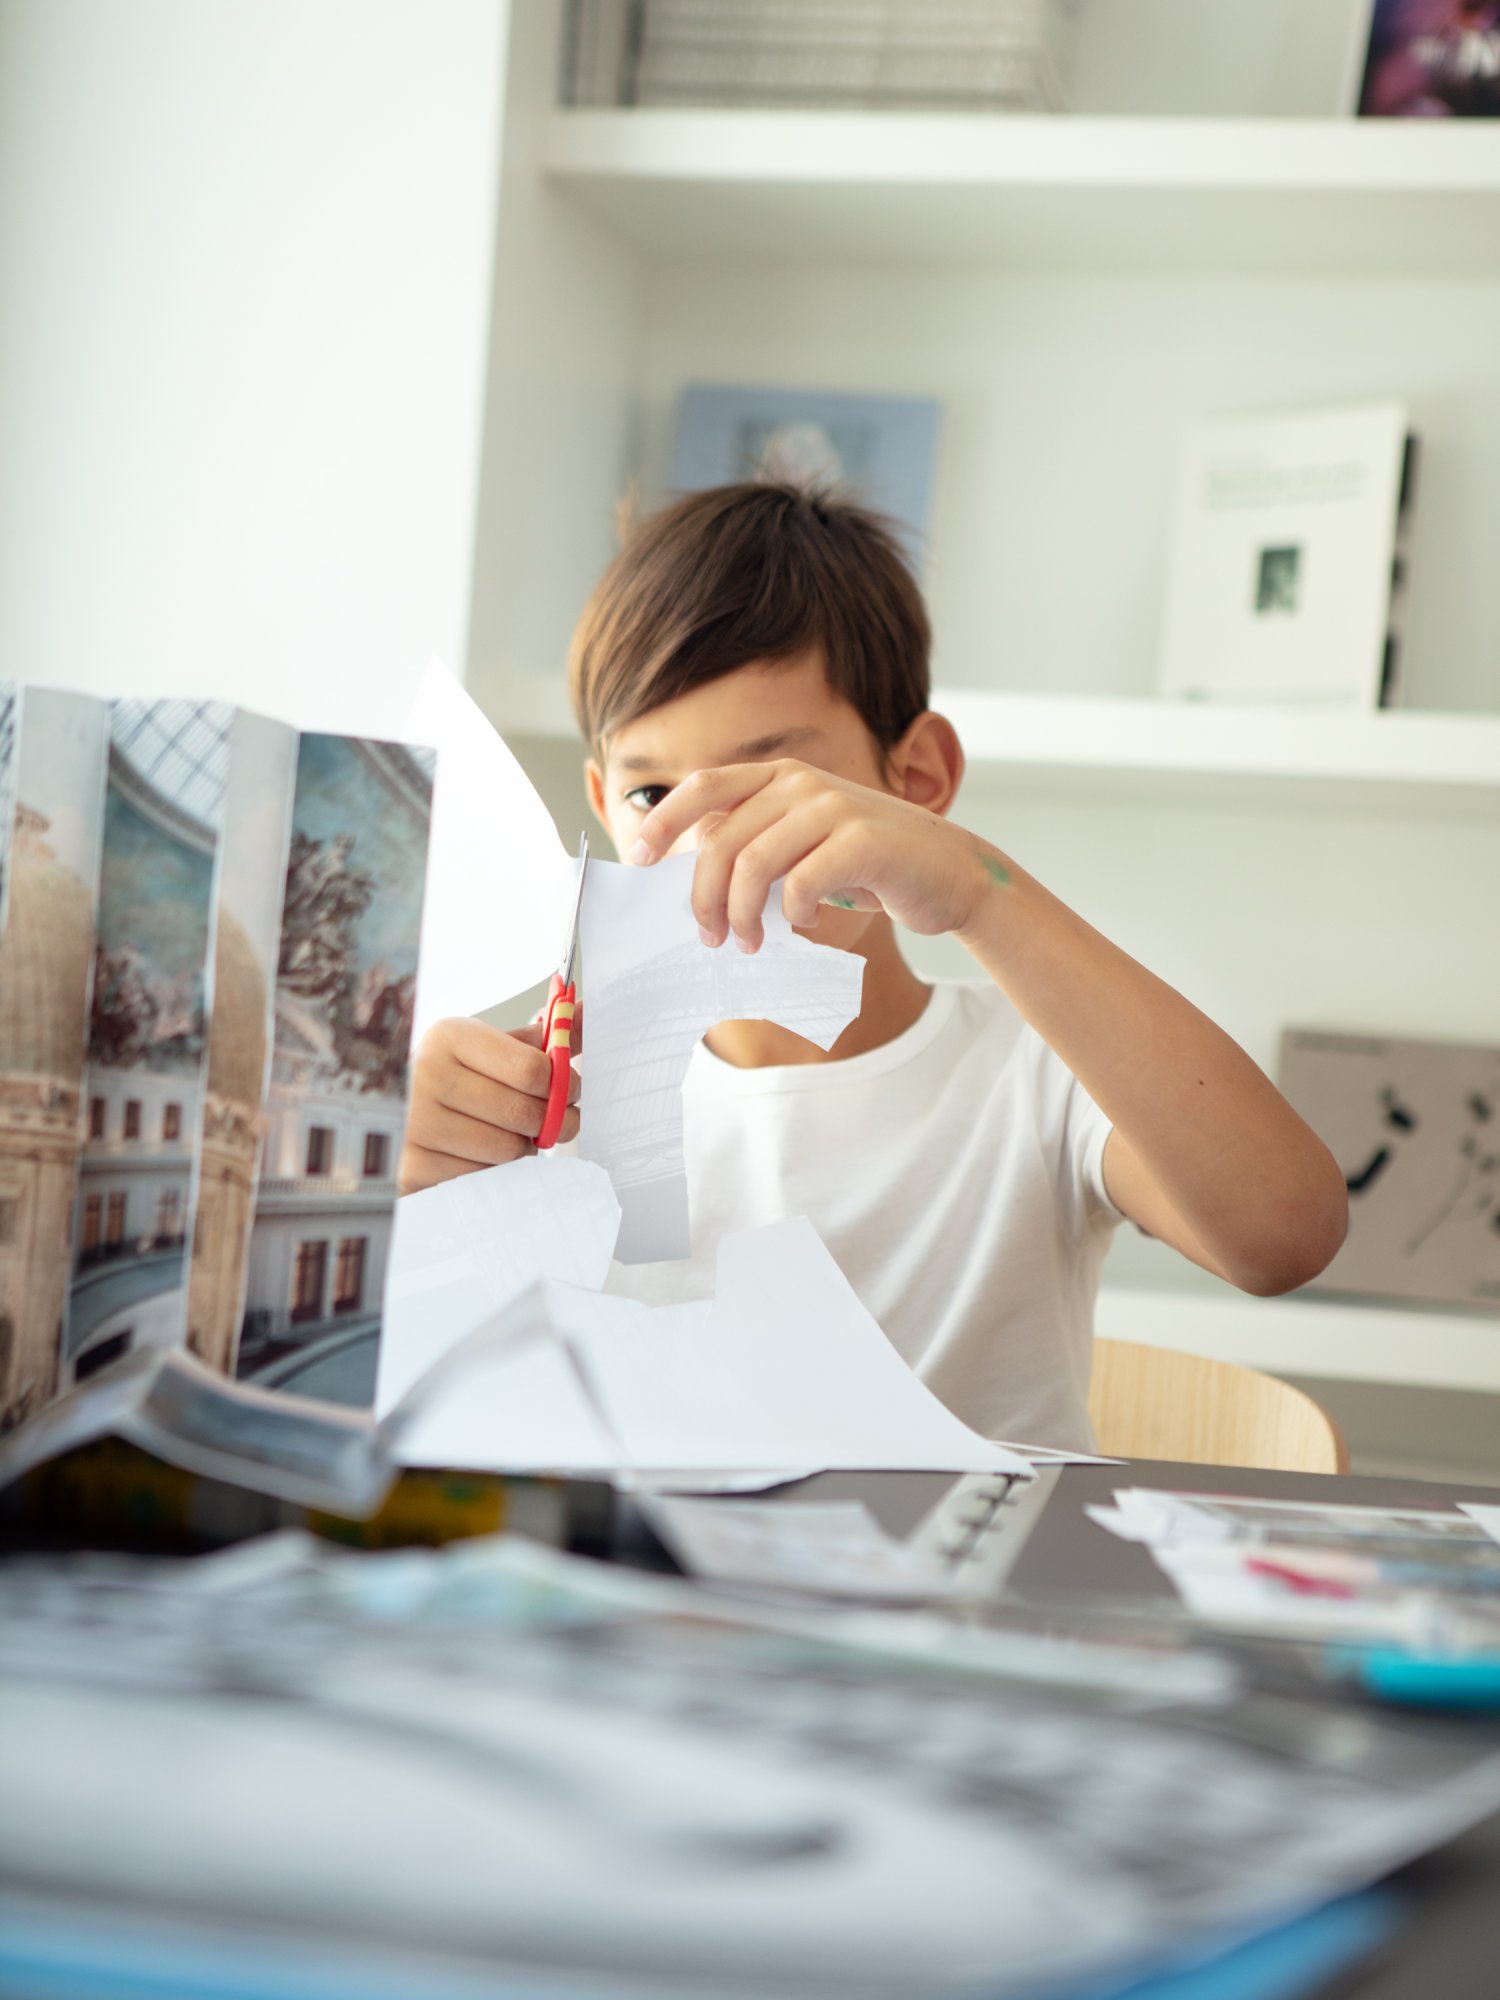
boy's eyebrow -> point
(745, 753)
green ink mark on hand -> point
(840, 902)
(995, 871)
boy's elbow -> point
(1315, 1224)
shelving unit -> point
(1309, 1336)
(1074, 289)
(1442, 764)
(1140, 194)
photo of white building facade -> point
(142, 1092)
(336, 1107)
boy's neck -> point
(893, 1000)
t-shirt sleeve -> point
(1073, 1130)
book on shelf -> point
(1289, 563)
(1425, 59)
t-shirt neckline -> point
(903, 1048)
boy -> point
(751, 677)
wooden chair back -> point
(1151, 1402)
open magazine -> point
(209, 928)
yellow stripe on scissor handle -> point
(560, 1031)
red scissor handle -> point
(557, 1040)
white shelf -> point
(1144, 194)
(1447, 762)
(1299, 1336)
(1444, 763)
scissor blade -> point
(570, 948)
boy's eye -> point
(644, 797)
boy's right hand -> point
(478, 1096)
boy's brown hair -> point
(759, 571)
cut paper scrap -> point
(499, 881)
(823, 1548)
(651, 989)
(783, 1368)
(466, 1248)
(1487, 1517)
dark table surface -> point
(1448, 1945)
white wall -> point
(245, 262)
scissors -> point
(557, 1032)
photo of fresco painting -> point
(55, 786)
(346, 968)
(168, 763)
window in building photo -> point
(171, 1121)
(114, 1222)
(319, 1149)
(132, 1118)
(307, 1281)
(349, 1277)
(377, 1151)
(169, 1215)
(90, 1362)
(93, 1210)
(96, 1117)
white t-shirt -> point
(954, 1174)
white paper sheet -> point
(783, 1369)
(467, 1247)
(509, 1398)
(1304, 1569)
(1488, 1517)
(499, 881)
(827, 1548)
(651, 991)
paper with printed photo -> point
(822, 1548)
(499, 881)
(783, 1369)
(469, 1246)
(652, 989)
(59, 744)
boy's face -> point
(762, 711)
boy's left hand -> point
(834, 841)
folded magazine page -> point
(209, 926)
(346, 966)
(164, 795)
(54, 808)
(247, 928)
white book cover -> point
(1279, 584)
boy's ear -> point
(927, 765)
(593, 779)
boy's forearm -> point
(1258, 1196)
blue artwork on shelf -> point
(878, 450)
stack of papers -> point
(523, 1367)
(349, 1749)
(1415, 1576)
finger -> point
(534, 1035)
(510, 1058)
(824, 876)
(770, 855)
(719, 850)
(719, 790)
(494, 1103)
(441, 1129)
